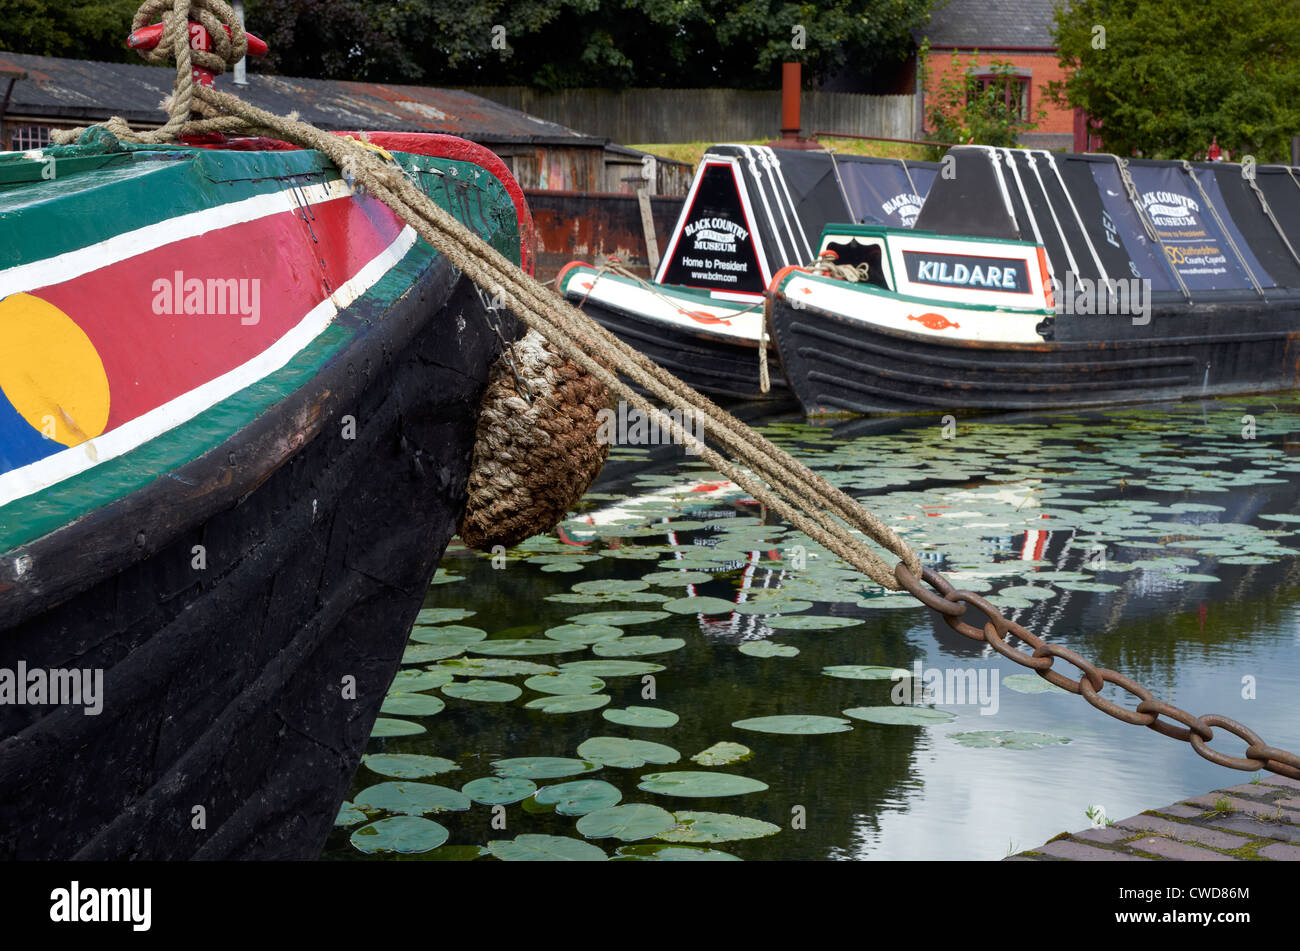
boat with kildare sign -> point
(750, 211)
(238, 402)
(1034, 280)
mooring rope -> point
(772, 476)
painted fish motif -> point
(934, 321)
(702, 317)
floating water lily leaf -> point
(542, 767)
(403, 834)
(584, 633)
(772, 606)
(411, 681)
(349, 815)
(494, 667)
(794, 724)
(866, 672)
(441, 615)
(449, 635)
(441, 576)
(571, 703)
(1086, 586)
(411, 799)
(1032, 593)
(386, 726)
(486, 691)
(407, 765)
(642, 716)
(428, 653)
(667, 579)
(609, 587)
(637, 646)
(699, 605)
(579, 797)
(499, 790)
(716, 827)
(723, 754)
(768, 649)
(696, 785)
(412, 704)
(811, 622)
(1008, 739)
(626, 823)
(523, 647)
(625, 753)
(1192, 577)
(619, 618)
(900, 716)
(565, 683)
(545, 848)
(670, 853)
(612, 668)
(1030, 683)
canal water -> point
(591, 668)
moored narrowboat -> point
(238, 402)
(1033, 280)
(750, 211)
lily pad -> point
(795, 724)
(349, 815)
(699, 605)
(428, 653)
(697, 785)
(810, 622)
(565, 683)
(412, 681)
(524, 647)
(723, 754)
(542, 767)
(716, 827)
(642, 716)
(1008, 739)
(412, 705)
(584, 633)
(768, 649)
(612, 668)
(545, 848)
(486, 691)
(499, 790)
(442, 615)
(637, 646)
(1030, 683)
(387, 726)
(626, 753)
(900, 715)
(619, 618)
(400, 834)
(494, 667)
(670, 853)
(670, 579)
(571, 703)
(411, 799)
(579, 797)
(449, 635)
(407, 765)
(866, 672)
(627, 822)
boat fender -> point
(536, 449)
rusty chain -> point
(952, 603)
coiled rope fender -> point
(536, 450)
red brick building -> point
(1018, 32)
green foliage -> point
(85, 29)
(960, 109)
(1168, 78)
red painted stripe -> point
(151, 358)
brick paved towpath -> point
(1255, 821)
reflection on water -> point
(1159, 541)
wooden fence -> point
(634, 116)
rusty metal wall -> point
(576, 226)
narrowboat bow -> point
(237, 409)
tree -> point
(85, 29)
(1162, 80)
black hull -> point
(226, 688)
(712, 365)
(839, 366)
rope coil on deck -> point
(770, 475)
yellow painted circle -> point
(50, 371)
